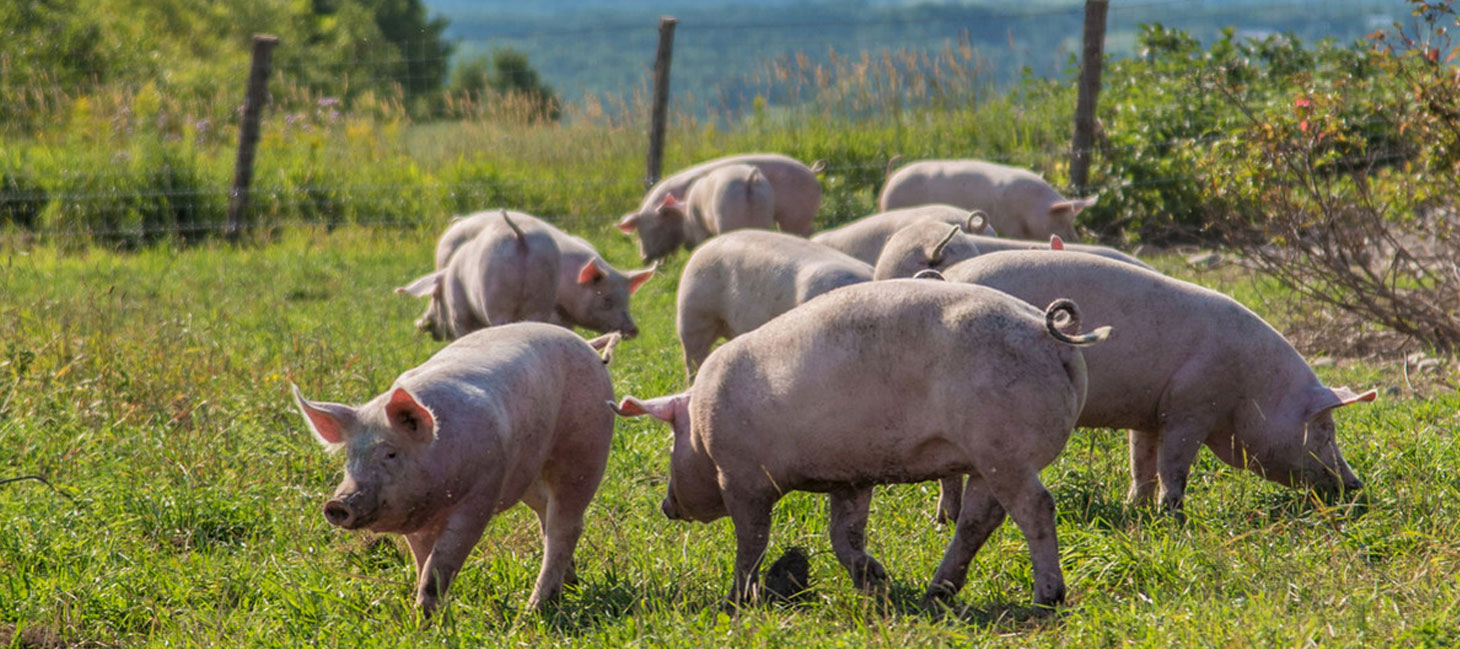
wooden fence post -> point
(1090, 63)
(248, 133)
(655, 161)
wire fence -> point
(119, 193)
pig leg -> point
(950, 491)
(1143, 453)
(1021, 493)
(462, 530)
(1178, 447)
(849, 537)
(696, 334)
(752, 518)
(536, 498)
(561, 529)
(979, 516)
(420, 543)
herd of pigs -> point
(910, 345)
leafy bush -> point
(1161, 117)
(1345, 189)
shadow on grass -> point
(906, 600)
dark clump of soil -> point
(789, 577)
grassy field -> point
(151, 389)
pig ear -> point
(1326, 398)
(1069, 209)
(638, 277)
(628, 223)
(590, 272)
(1056, 243)
(423, 286)
(671, 206)
(661, 408)
(330, 422)
(408, 418)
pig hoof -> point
(939, 597)
(1052, 600)
(871, 577)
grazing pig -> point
(865, 237)
(794, 185)
(731, 197)
(504, 273)
(878, 383)
(1187, 366)
(740, 280)
(590, 293)
(503, 415)
(1020, 204)
(934, 245)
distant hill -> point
(588, 46)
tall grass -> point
(131, 165)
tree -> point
(511, 73)
(508, 74)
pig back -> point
(886, 382)
(865, 237)
(522, 389)
(1162, 327)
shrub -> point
(1345, 189)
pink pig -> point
(1186, 367)
(878, 383)
(503, 415)
(793, 184)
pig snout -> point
(629, 331)
(671, 510)
(346, 512)
(339, 514)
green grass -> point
(152, 387)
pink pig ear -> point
(671, 204)
(409, 418)
(638, 277)
(1056, 243)
(661, 408)
(628, 224)
(1329, 398)
(590, 272)
(330, 422)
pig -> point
(934, 245)
(1021, 205)
(794, 185)
(590, 293)
(740, 280)
(865, 237)
(500, 416)
(504, 273)
(1188, 366)
(728, 198)
(877, 383)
